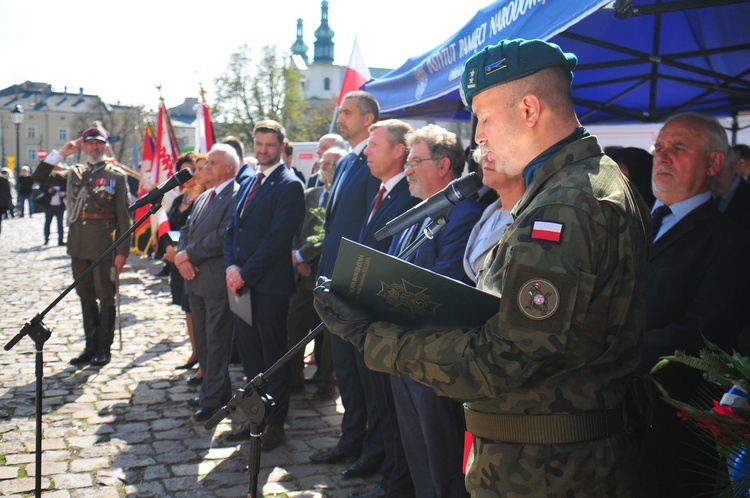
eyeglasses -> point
(415, 162)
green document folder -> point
(396, 291)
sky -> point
(123, 51)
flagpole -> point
(333, 119)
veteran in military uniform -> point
(97, 215)
(544, 380)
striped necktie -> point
(253, 192)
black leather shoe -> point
(363, 467)
(82, 359)
(194, 402)
(100, 359)
(195, 380)
(272, 436)
(188, 365)
(241, 434)
(374, 492)
(336, 454)
(204, 413)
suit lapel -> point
(265, 188)
(694, 220)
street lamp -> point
(17, 116)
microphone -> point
(156, 193)
(438, 204)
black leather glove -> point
(346, 320)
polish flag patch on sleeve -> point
(547, 230)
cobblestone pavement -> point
(125, 429)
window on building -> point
(182, 142)
(62, 134)
(31, 132)
(30, 156)
(327, 84)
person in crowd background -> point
(496, 218)
(731, 192)
(348, 207)
(696, 251)
(6, 200)
(24, 191)
(305, 257)
(558, 360)
(53, 200)
(200, 261)
(178, 214)
(742, 166)
(97, 212)
(635, 164)
(432, 426)
(258, 241)
(288, 157)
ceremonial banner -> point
(204, 133)
(167, 151)
(143, 232)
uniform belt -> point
(98, 216)
(557, 428)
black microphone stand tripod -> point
(256, 404)
(39, 333)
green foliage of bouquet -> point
(317, 238)
(724, 424)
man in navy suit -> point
(697, 254)
(200, 261)
(386, 154)
(731, 191)
(352, 192)
(432, 426)
(258, 242)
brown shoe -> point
(272, 437)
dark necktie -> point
(211, 198)
(253, 192)
(324, 202)
(657, 218)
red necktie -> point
(253, 191)
(378, 199)
(211, 198)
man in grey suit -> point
(200, 260)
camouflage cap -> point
(510, 60)
(95, 132)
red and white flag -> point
(165, 158)
(547, 230)
(143, 232)
(204, 132)
(357, 74)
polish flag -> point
(204, 133)
(143, 232)
(547, 230)
(357, 74)
(166, 154)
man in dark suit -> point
(696, 254)
(432, 426)
(386, 154)
(200, 261)
(6, 201)
(348, 207)
(258, 241)
(305, 257)
(731, 191)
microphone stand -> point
(256, 404)
(39, 333)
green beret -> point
(510, 60)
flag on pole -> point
(357, 73)
(204, 133)
(166, 154)
(143, 232)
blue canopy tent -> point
(639, 61)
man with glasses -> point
(432, 426)
(544, 379)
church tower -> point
(300, 47)
(324, 37)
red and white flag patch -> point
(547, 230)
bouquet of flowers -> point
(726, 423)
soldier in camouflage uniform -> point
(97, 214)
(543, 380)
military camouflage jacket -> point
(97, 202)
(571, 273)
